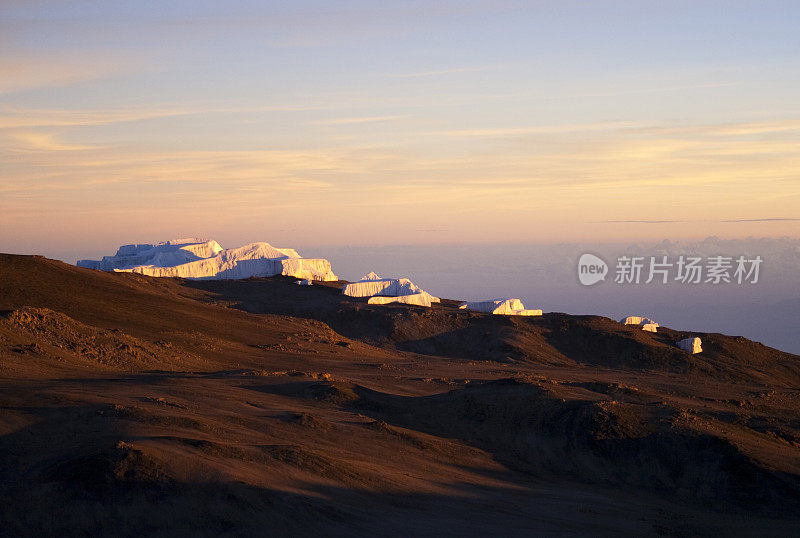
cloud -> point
(772, 219)
(38, 142)
(602, 171)
(356, 120)
(534, 130)
(642, 221)
(659, 89)
(13, 119)
(448, 71)
(792, 124)
(642, 131)
(23, 117)
(25, 71)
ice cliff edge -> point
(206, 260)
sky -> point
(381, 123)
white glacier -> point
(419, 299)
(527, 312)
(636, 320)
(646, 324)
(371, 285)
(692, 345)
(509, 307)
(202, 260)
(388, 290)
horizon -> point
(544, 276)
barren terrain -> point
(133, 405)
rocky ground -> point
(132, 405)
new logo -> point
(591, 269)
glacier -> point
(419, 299)
(388, 290)
(692, 345)
(508, 307)
(202, 259)
(646, 324)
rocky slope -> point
(133, 405)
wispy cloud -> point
(606, 171)
(356, 120)
(792, 124)
(12, 119)
(449, 71)
(23, 117)
(642, 221)
(659, 89)
(534, 130)
(772, 219)
(39, 142)
(28, 71)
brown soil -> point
(141, 406)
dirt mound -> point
(114, 471)
(137, 414)
(217, 449)
(107, 347)
(320, 465)
(311, 421)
